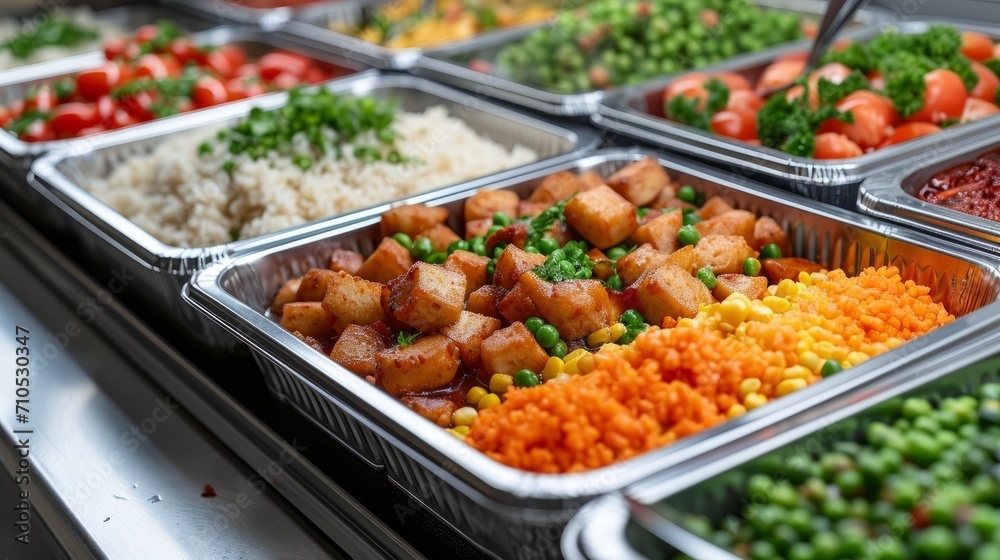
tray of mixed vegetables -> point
(877, 100)
(508, 349)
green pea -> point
(403, 240)
(763, 550)
(687, 194)
(830, 367)
(525, 378)
(533, 323)
(501, 219)
(936, 542)
(707, 277)
(422, 248)
(531, 249)
(751, 267)
(801, 551)
(567, 268)
(616, 252)
(458, 246)
(800, 520)
(478, 246)
(990, 391)
(826, 545)
(547, 245)
(770, 251)
(687, 235)
(498, 250)
(915, 408)
(632, 317)
(437, 258)
(556, 256)
(491, 267)
(835, 508)
(492, 230)
(690, 218)
(924, 449)
(615, 282)
(559, 350)
(547, 336)
(987, 551)
(850, 482)
(906, 493)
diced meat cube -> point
(510, 350)
(486, 301)
(640, 182)
(576, 308)
(356, 349)
(734, 222)
(389, 260)
(429, 362)
(469, 332)
(724, 254)
(314, 285)
(435, 409)
(590, 180)
(514, 262)
(484, 204)
(440, 235)
(635, 264)
(516, 305)
(287, 294)
(353, 300)
(754, 287)
(428, 297)
(477, 228)
(601, 216)
(412, 219)
(470, 265)
(555, 188)
(767, 231)
(661, 233)
(346, 260)
(670, 292)
(308, 318)
(713, 207)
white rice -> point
(184, 199)
(81, 16)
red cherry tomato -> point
(115, 47)
(689, 85)
(744, 100)
(944, 98)
(275, 63)
(831, 145)
(69, 119)
(976, 46)
(209, 91)
(285, 80)
(316, 75)
(5, 117)
(986, 87)
(780, 73)
(105, 107)
(92, 84)
(96, 129)
(43, 100)
(242, 88)
(217, 62)
(38, 131)
(247, 71)
(733, 81)
(185, 51)
(138, 105)
(146, 33)
(909, 131)
(867, 131)
(976, 109)
(157, 66)
(876, 80)
(735, 124)
(234, 55)
(834, 72)
(120, 119)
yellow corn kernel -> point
(734, 311)
(474, 394)
(753, 400)
(458, 435)
(845, 364)
(840, 354)
(735, 411)
(824, 349)
(857, 358)
(789, 386)
(572, 368)
(499, 383)
(817, 277)
(777, 304)
(489, 400)
(893, 343)
(586, 364)
(749, 385)
(797, 372)
(811, 361)
(599, 337)
(685, 322)
(552, 368)
(562, 377)
(464, 430)
(760, 312)
(805, 278)
(786, 288)
(464, 416)
(575, 355)
(617, 330)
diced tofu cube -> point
(661, 233)
(428, 297)
(389, 260)
(670, 292)
(517, 306)
(525, 208)
(601, 216)
(440, 235)
(412, 219)
(640, 182)
(590, 180)
(650, 215)
(510, 350)
(356, 349)
(754, 287)
(429, 362)
(469, 332)
(287, 294)
(576, 308)
(555, 188)
(514, 262)
(470, 265)
(713, 207)
(638, 262)
(477, 228)
(734, 222)
(683, 258)
(307, 318)
(671, 202)
(767, 231)
(353, 300)
(435, 409)
(314, 285)
(724, 254)
(484, 204)
(486, 301)
(346, 260)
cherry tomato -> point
(834, 72)
(120, 119)
(69, 119)
(92, 84)
(733, 81)
(38, 131)
(796, 92)
(944, 98)
(735, 124)
(690, 85)
(976, 109)
(138, 105)
(242, 88)
(831, 145)
(16, 108)
(876, 80)
(145, 34)
(274, 63)
(96, 129)
(247, 70)
(986, 87)
(481, 65)
(115, 47)
(5, 117)
(867, 131)
(809, 29)
(909, 131)
(43, 100)
(217, 62)
(744, 100)
(316, 75)
(105, 107)
(874, 100)
(976, 46)
(234, 55)
(209, 91)
(780, 73)
(285, 80)
(184, 50)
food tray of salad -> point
(392, 34)
(590, 49)
(882, 98)
(498, 368)
(904, 470)
(950, 194)
(179, 194)
(158, 72)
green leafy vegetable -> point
(855, 56)
(50, 32)
(685, 109)
(166, 32)
(830, 93)
(569, 263)
(21, 124)
(404, 339)
(790, 125)
(543, 222)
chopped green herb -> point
(50, 32)
(686, 109)
(166, 32)
(404, 339)
(21, 124)
(790, 125)
(205, 148)
(569, 263)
